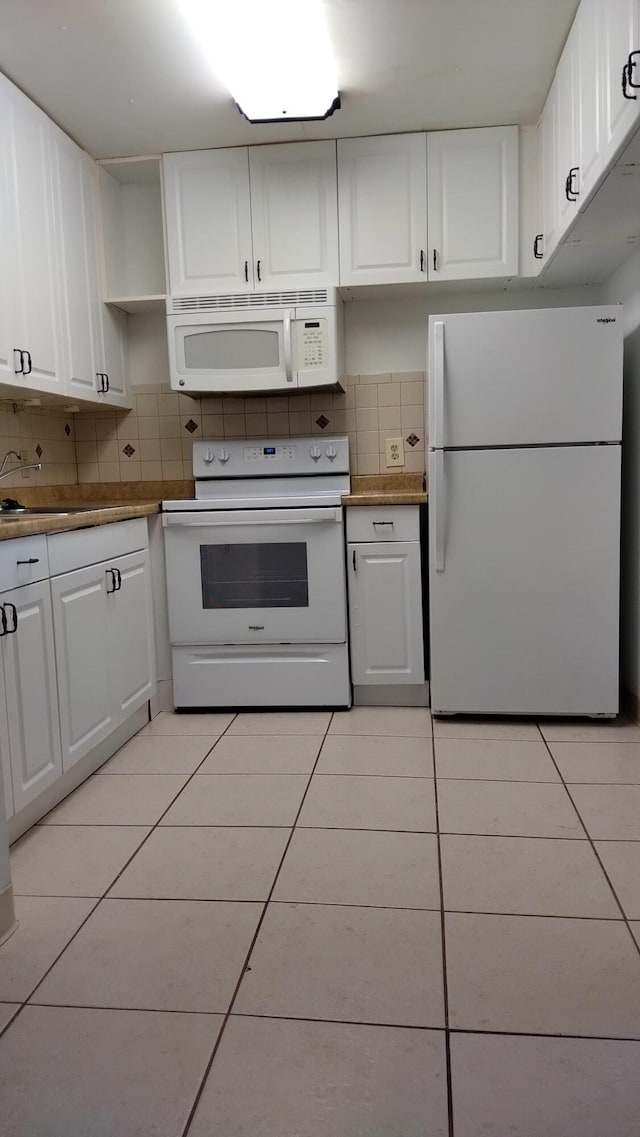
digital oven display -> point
(268, 449)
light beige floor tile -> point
(69, 1072)
(7, 1011)
(167, 722)
(509, 760)
(610, 813)
(386, 870)
(155, 955)
(544, 1087)
(271, 754)
(239, 799)
(374, 965)
(281, 722)
(590, 730)
(534, 974)
(342, 802)
(46, 924)
(525, 875)
(610, 762)
(367, 754)
(312, 1079)
(517, 730)
(125, 799)
(161, 754)
(205, 864)
(516, 809)
(414, 722)
(621, 860)
(72, 860)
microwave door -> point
(240, 352)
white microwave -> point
(259, 342)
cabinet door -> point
(5, 754)
(549, 172)
(130, 629)
(36, 271)
(10, 333)
(81, 631)
(382, 207)
(587, 32)
(567, 185)
(619, 36)
(385, 613)
(114, 358)
(208, 222)
(473, 203)
(31, 690)
(75, 194)
(294, 214)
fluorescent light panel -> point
(273, 55)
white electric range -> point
(256, 576)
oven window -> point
(231, 349)
(255, 576)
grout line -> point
(245, 965)
(445, 985)
(110, 885)
(635, 942)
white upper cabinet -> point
(294, 214)
(35, 329)
(589, 96)
(208, 222)
(262, 218)
(473, 203)
(620, 63)
(382, 207)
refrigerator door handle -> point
(439, 515)
(438, 381)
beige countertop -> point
(17, 526)
(386, 489)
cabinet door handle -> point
(3, 622)
(537, 252)
(422, 260)
(108, 383)
(118, 579)
(29, 561)
(626, 79)
(258, 269)
(435, 260)
(17, 352)
(28, 355)
(382, 522)
(571, 193)
(353, 561)
(112, 572)
(246, 272)
(14, 612)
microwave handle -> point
(287, 347)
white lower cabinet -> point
(104, 648)
(30, 735)
(385, 603)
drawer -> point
(13, 555)
(383, 523)
(81, 547)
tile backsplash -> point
(153, 441)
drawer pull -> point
(29, 561)
(382, 522)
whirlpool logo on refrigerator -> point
(605, 320)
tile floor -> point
(351, 925)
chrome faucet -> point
(14, 469)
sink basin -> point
(41, 511)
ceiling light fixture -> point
(273, 55)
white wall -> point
(391, 335)
(624, 287)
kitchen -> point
(384, 401)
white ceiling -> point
(125, 77)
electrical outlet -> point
(394, 450)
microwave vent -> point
(248, 300)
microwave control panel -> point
(313, 343)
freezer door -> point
(525, 378)
(524, 580)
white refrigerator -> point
(525, 420)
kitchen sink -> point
(41, 511)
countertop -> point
(386, 489)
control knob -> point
(208, 456)
(315, 452)
(331, 452)
(224, 455)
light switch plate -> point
(394, 451)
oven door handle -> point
(199, 520)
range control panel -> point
(266, 457)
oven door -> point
(256, 576)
